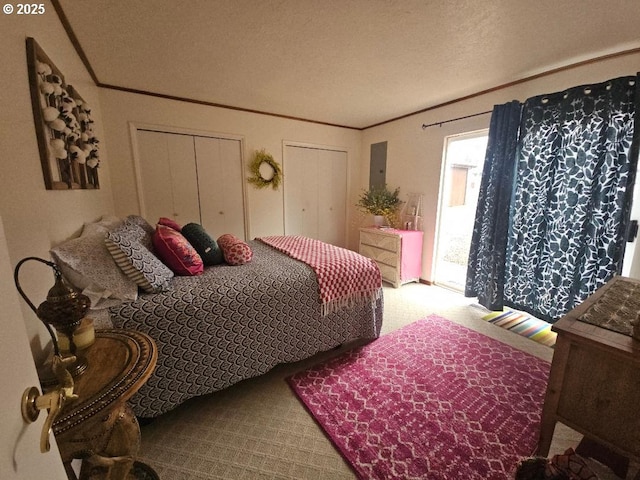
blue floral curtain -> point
(485, 268)
(575, 170)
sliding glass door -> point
(463, 160)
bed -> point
(230, 323)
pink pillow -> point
(176, 252)
(170, 222)
(234, 250)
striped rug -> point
(525, 325)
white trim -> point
(315, 146)
(185, 131)
(443, 165)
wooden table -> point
(99, 426)
(594, 385)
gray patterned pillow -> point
(87, 264)
(130, 246)
(141, 222)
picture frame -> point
(68, 146)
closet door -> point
(301, 192)
(315, 189)
(332, 196)
(219, 165)
(168, 176)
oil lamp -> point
(64, 309)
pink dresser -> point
(398, 253)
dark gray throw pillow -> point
(206, 246)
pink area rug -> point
(433, 400)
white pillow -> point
(106, 223)
(87, 264)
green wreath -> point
(256, 177)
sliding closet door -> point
(315, 193)
(332, 196)
(301, 192)
(168, 176)
(192, 178)
(220, 185)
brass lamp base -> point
(79, 366)
(82, 337)
(47, 376)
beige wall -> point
(414, 155)
(34, 218)
(265, 207)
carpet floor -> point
(431, 400)
(258, 429)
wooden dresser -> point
(398, 253)
(594, 385)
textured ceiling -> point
(353, 63)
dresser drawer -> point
(387, 242)
(390, 274)
(379, 255)
(398, 253)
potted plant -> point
(380, 202)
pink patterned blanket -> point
(344, 276)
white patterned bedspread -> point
(233, 323)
